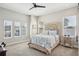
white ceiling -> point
(24, 7)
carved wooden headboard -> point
(52, 26)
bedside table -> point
(68, 41)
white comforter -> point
(46, 41)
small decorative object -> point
(3, 44)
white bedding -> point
(46, 41)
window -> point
(70, 21)
(17, 29)
(23, 29)
(70, 25)
(7, 28)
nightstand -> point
(68, 41)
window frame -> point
(5, 21)
(15, 29)
(22, 33)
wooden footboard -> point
(42, 49)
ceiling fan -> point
(37, 6)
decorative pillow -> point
(53, 32)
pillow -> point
(53, 32)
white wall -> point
(58, 16)
(13, 16)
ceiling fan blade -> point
(41, 6)
(31, 8)
(34, 4)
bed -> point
(44, 42)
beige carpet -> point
(23, 50)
